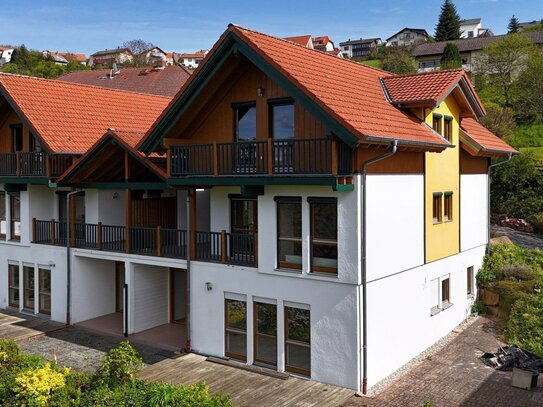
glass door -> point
(265, 334)
(45, 291)
(28, 288)
(13, 277)
(243, 227)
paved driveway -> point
(455, 376)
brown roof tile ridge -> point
(232, 26)
(75, 84)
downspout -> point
(364, 274)
(489, 182)
(188, 344)
(68, 259)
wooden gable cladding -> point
(113, 164)
(473, 165)
(211, 117)
(403, 162)
(154, 212)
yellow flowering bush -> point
(34, 387)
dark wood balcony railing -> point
(220, 247)
(322, 156)
(33, 164)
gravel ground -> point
(82, 350)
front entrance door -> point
(178, 296)
(243, 228)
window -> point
(448, 207)
(16, 137)
(28, 287)
(447, 128)
(235, 329)
(297, 341)
(245, 120)
(470, 34)
(445, 292)
(323, 234)
(281, 119)
(45, 291)
(470, 277)
(436, 123)
(265, 333)
(13, 277)
(2, 214)
(436, 207)
(15, 210)
(289, 233)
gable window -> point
(2, 214)
(323, 213)
(245, 121)
(436, 123)
(15, 210)
(297, 340)
(16, 137)
(289, 232)
(448, 206)
(470, 278)
(436, 207)
(235, 329)
(13, 282)
(281, 113)
(447, 128)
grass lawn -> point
(375, 63)
(536, 151)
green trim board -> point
(121, 185)
(227, 180)
(232, 44)
(24, 180)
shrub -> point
(516, 272)
(9, 351)
(478, 307)
(525, 324)
(134, 394)
(34, 387)
(70, 395)
(119, 365)
(537, 222)
(511, 291)
(163, 395)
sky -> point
(87, 26)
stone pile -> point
(511, 222)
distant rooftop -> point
(359, 41)
(470, 21)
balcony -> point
(218, 247)
(322, 156)
(33, 164)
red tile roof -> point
(302, 40)
(198, 54)
(162, 82)
(350, 92)
(324, 40)
(429, 87)
(70, 56)
(481, 141)
(69, 118)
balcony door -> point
(281, 121)
(245, 154)
(243, 227)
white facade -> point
(5, 55)
(470, 28)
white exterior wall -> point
(473, 211)
(149, 296)
(395, 223)
(465, 28)
(398, 308)
(93, 288)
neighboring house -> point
(472, 28)
(361, 48)
(107, 57)
(169, 58)
(165, 81)
(62, 58)
(5, 55)
(192, 60)
(323, 43)
(407, 37)
(255, 218)
(428, 55)
(303, 40)
(153, 57)
(531, 24)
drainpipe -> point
(489, 182)
(188, 344)
(68, 259)
(364, 273)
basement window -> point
(470, 282)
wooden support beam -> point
(215, 159)
(270, 156)
(73, 211)
(158, 242)
(169, 162)
(223, 246)
(128, 218)
(17, 164)
(53, 231)
(334, 158)
(33, 230)
(126, 168)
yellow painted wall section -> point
(442, 174)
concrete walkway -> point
(455, 376)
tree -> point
(529, 89)
(398, 60)
(451, 58)
(137, 47)
(513, 26)
(503, 60)
(448, 26)
(499, 120)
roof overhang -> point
(476, 149)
